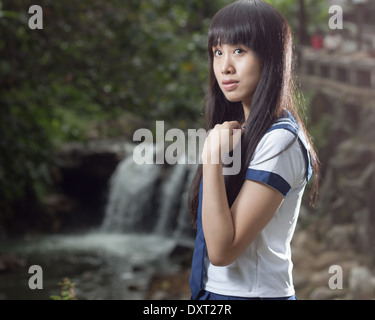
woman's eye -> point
(238, 51)
(217, 53)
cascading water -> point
(130, 196)
(145, 218)
(149, 198)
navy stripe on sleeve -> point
(272, 179)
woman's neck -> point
(246, 111)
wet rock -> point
(138, 268)
(61, 210)
(170, 286)
(362, 283)
(82, 172)
(10, 262)
(182, 254)
(136, 287)
(74, 154)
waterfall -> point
(130, 196)
(150, 198)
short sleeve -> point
(277, 165)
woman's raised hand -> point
(222, 139)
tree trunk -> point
(303, 39)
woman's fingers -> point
(231, 125)
(227, 135)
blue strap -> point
(197, 267)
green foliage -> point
(93, 61)
(66, 290)
(316, 13)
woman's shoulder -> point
(283, 149)
(276, 140)
(282, 134)
(287, 122)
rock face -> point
(340, 232)
(361, 283)
(82, 173)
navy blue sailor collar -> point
(288, 122)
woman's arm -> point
(229, 231)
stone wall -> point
(341, 230)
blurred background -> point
(72, 94)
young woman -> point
(245, 222)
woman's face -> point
(237, 72)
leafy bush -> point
(66, 290)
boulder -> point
(362, 283)
(341, 237)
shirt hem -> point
(259, 294)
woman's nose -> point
(227, 66)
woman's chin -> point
(232, 99)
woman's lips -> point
(230, 85)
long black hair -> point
(259, 26)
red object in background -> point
(316, 42)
